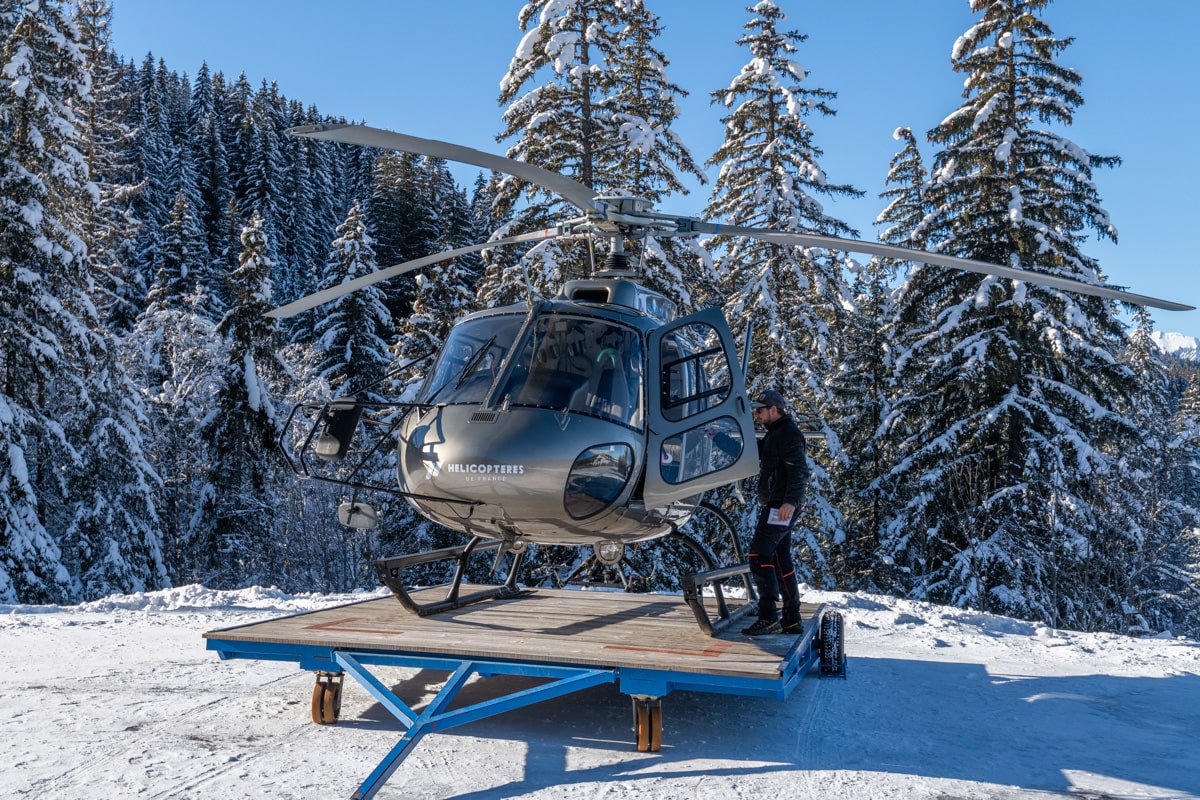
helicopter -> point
(585, 419)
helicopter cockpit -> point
(566, 363)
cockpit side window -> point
(470, 359)
(588, 366)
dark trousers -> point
(772, 567)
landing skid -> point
(704, 584)
(391, 574)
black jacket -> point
(783, 465)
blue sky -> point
(433, 70)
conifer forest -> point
(988, 444)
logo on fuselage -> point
(484, 472)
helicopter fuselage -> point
(529, 476)
(576, 421)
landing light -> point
(609, 552)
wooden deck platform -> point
(647, 645)
(547, 626)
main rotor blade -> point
(334, 292)
(573, 191)
(941, 260)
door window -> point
(695, 372)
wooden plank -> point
(602, 629)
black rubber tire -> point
(832, 641)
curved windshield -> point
(468, 362)
(589, 366)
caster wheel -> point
(648, 719)
(327, 698)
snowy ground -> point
(120, 699)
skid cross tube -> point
(437, 716)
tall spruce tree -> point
(1013, 415)
(795, 300)
(863, 387)
(152, 157)
(214, 187)
(401, 220)
(1161, 460)
(175, 355)
(352, 337)
(233, 527)
(112, 542)
(110, 227)
(46, 317)
(262, 181)
(648, 158)
(587, 96)
(1181, 594)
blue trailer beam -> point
(437, 717)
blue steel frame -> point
(564, 679)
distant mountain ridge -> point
(1177, 345)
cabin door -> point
(701, 431)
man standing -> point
(782, 479)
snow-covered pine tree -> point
(239, 131)
(797, 300)
(309, 215)
(151, 156)
(262, 182)
(906, 205)
(111, 542)
(354, 171)
(401, 221)
(587, 96)
(176, 260)
(354, 331)
(110, 229)
(214, 184)
(46, 317)
(648, 156)
(483, 213)
(557, 90)
(233, 529)
(1012, 416)
(181, 177)
(175, 355)
(114, 542)
(1184, 560)
(862, 387)
(1161, 460)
